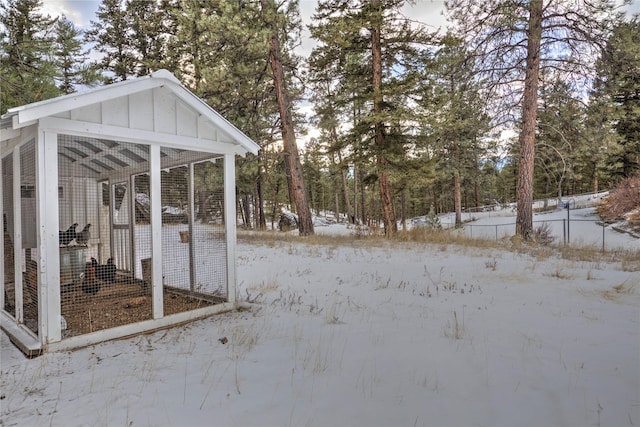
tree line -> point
(514, 101)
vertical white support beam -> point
(17, 237)
(192, 219)
(156, 232)
(2, 240)
(48, 224)
(230, 223)
(132, 224)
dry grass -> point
(444, 239)
(454, 328)
(618, 291)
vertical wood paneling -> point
(187, 124)
(164, 111)
(116, 112)
(90, 113)
(141, 110)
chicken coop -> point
(118, 209)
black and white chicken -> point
(82, 237)
(68, 235)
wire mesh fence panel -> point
(98, 285)
(9, 237)
(176, 257)
(29, 237)
(209, 242)
(192, 268)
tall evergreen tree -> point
(371, 53)
(513, 42)
(559, 138)
(454, 114)
(27, 70)
(111, 36)
(71, 58)
(297, 189)
(149, 35)
(618, 87)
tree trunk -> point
(403, 209)
(457, 198)
(276, 204)
(261, 219)
(292, 158)
(355, 193)
(363, 197)
(386, 200)
(595, 179)
(345, 189)
(247, 210)
(476, 191)
(524, 218)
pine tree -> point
(71, 58)
(27, 71)
(292, 158)
(149, 35)
(369, 52)
(111, 36)
(512, 42)
(618, 88)
(454, 115)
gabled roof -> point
(154, 108)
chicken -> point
(67, 236)
(105, 272)
(90, 283)
(82, 237)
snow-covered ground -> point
(582, 227)
(365, 334)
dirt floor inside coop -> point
(121, 303)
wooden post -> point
(49, 309)
(157, 288)
(17, 237)
(192, 218)
(2, 248)
(230, 223)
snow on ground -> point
(582, 228)
(364, 334)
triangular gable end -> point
(157, 104)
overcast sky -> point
(430, 12)
(80, 12)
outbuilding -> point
(118, 209)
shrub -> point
(543, 234)
(624, 198)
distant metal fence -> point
(560, 229)
(575, 201)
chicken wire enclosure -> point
(106, 237)
(20, 291)
(194, 252)
(118, 213)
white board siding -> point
(187, 124)
(90, 113)
(155, 110)
(207, 131)
(141, 110)
(165, 117)
(116, 112)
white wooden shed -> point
(151, 168)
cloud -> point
(80, 12)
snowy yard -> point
(369, 335)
